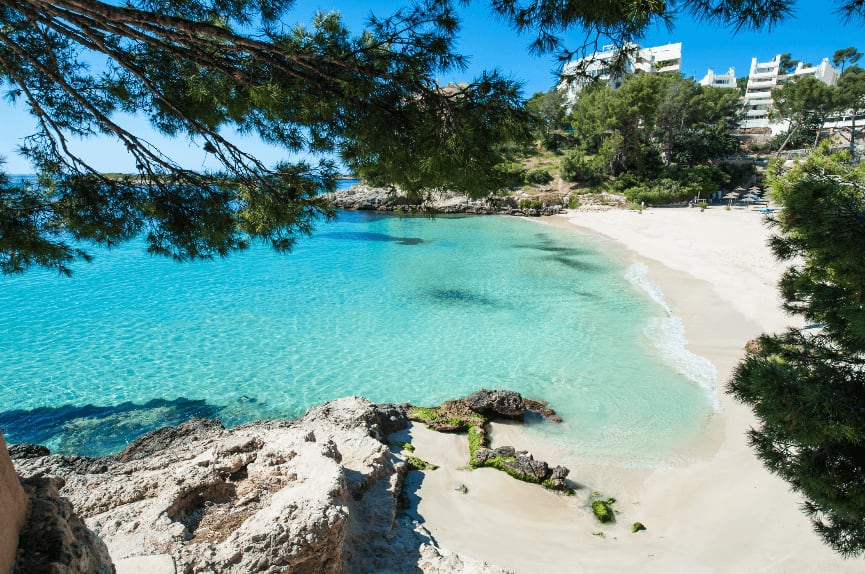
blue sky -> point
(813, 33)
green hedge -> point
(538, 176)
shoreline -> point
(718, 510)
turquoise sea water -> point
(394, 309)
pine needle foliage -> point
(807, 386)
(202, 70)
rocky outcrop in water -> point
(316, 495)
(365, 198)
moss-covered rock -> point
(451, 416)
(471, 415)
(417, 463)
(477, 440)
(603, 511)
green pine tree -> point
(807, 386)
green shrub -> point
(704, 180)
(538, 176)
(661, 192)
(637, 526)
(574, 167)
(574, 201)
(739, 173)
(555, 141)
(530, 204)
(511, 174)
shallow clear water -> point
(394, 309)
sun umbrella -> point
(731, 196)
(749, 199)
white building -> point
(714, 80)
(765, 77)
(654, 60)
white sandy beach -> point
(719, 512)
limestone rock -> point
(542, 409)
(13, 509)
(165, 438)
(27, 450)
(496, 403)
(317, 495)
(482, 455)
(504, 451)
(54, 539)
(526, 465)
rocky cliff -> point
(13, 507)
(316, 495)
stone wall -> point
(13, 503)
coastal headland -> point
(324, 493)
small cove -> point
(394, 309)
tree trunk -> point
(787, 139)
(819, 131)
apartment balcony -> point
(763, 74)
(756, 123)
(757, 84)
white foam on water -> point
(668, 336)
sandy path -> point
(721, 511)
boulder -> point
(508, 404)
(526, 465)
(482, 455)
(543, 409)
(557, 479)
(504, 451)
